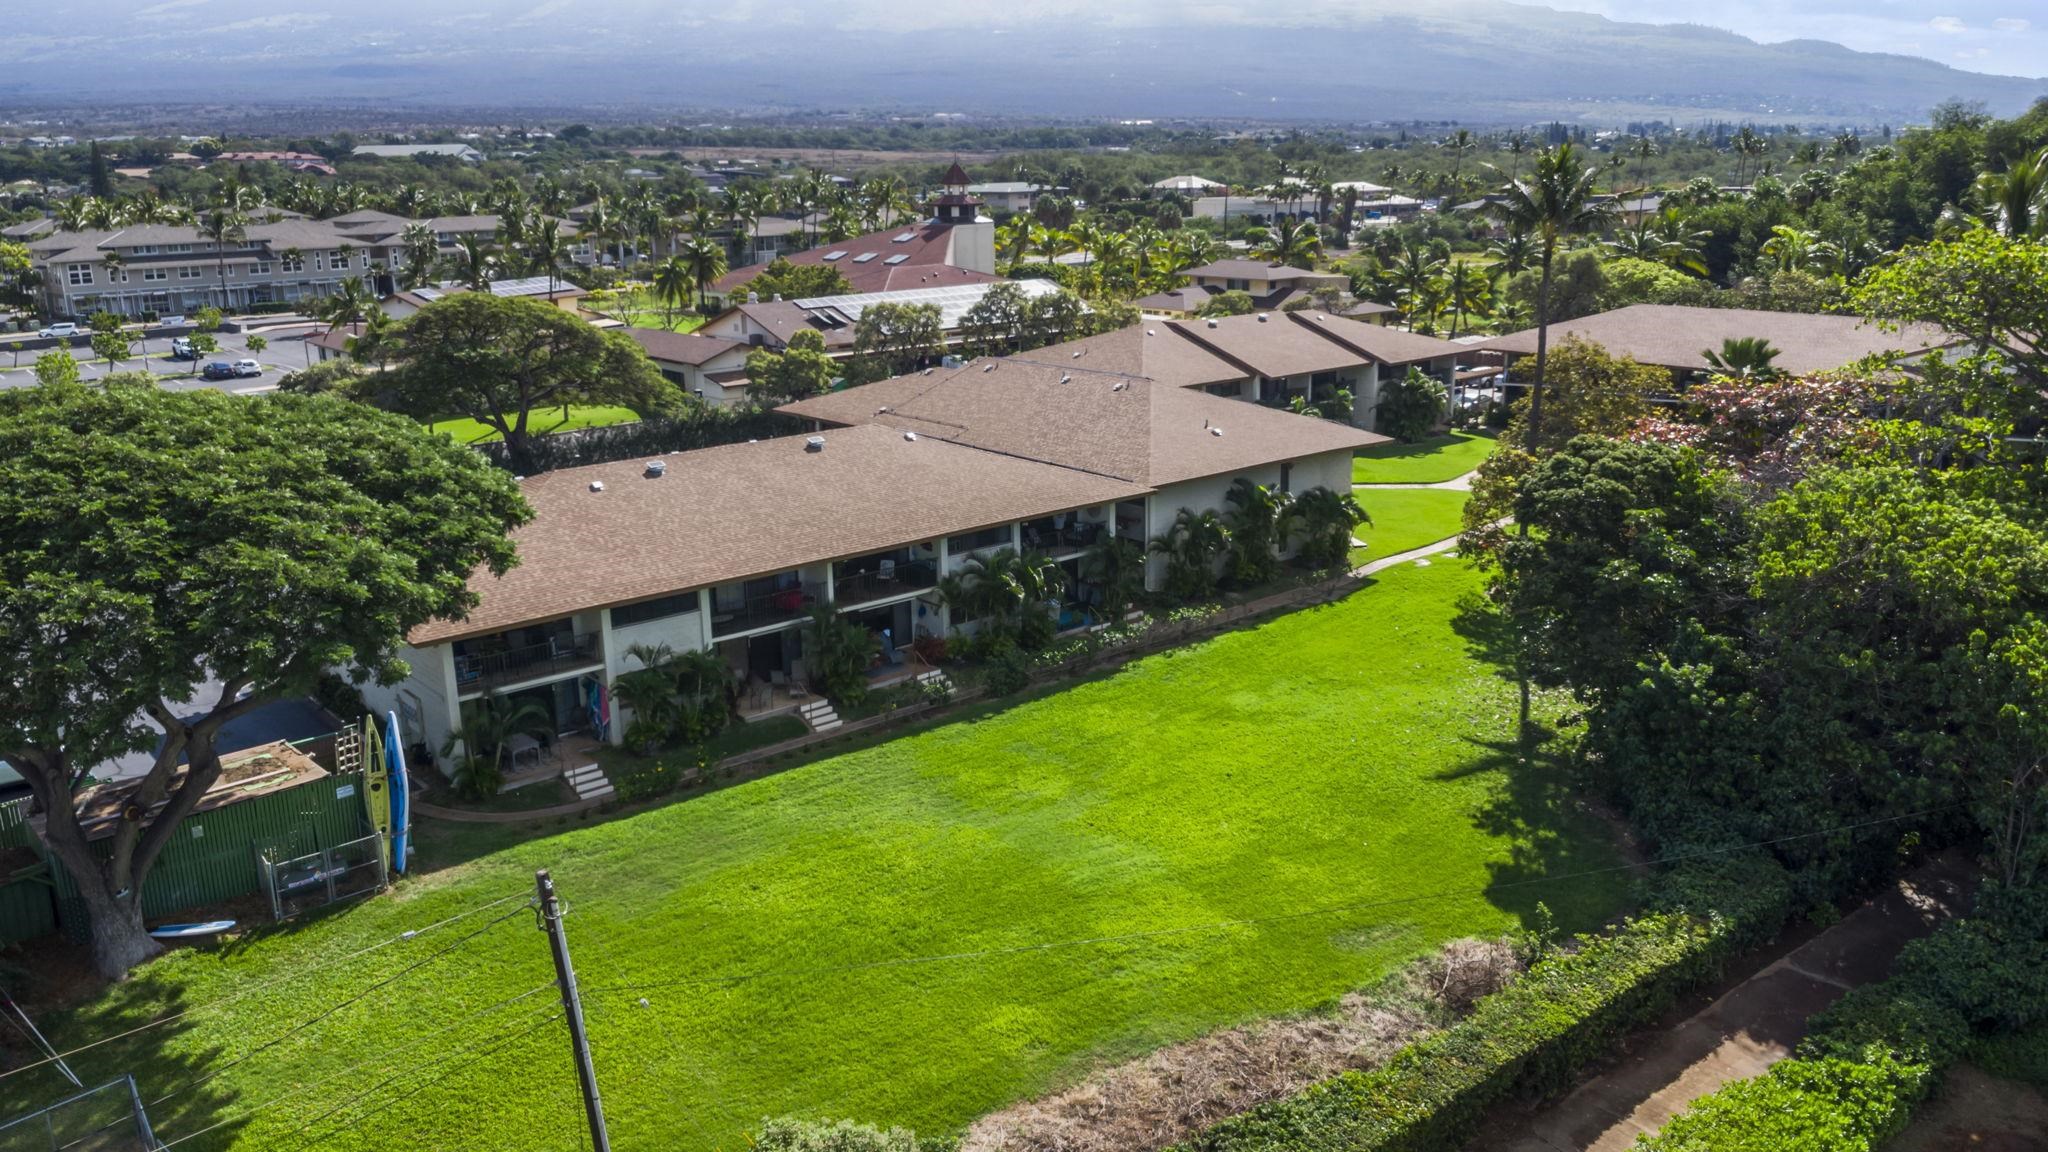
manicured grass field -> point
(1404, 518)
(641, 308)
(1430, 461)
(1244, 828)
(540, 420)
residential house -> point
(1679, 337)
(727, 549)
(1188, 186)
(711, 368)
(1011, 196)
(549, 289)
(1269, 285)
(1310, 355)
(956, 245)
(462, 152)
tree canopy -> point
(496, 360)
(151, 541)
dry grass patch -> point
(1170, 1095)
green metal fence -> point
(28, 906)
(214, 857)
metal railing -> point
(778, 607)
(903, 576)
(109, 1118)
(482, 670)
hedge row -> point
(1533, 1037)
(1872, 1057)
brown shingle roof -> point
(1268, 343)
(681, 347)
(744, 510)
(1145, 349)
(1041, 407)
(1673, 336)
(1259, 270)
(926, 242)
(1386, 345)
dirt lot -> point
(822, 157)
(1978, 1113)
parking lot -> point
(285, 351)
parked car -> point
(174, 322)
(218, 370)
(59, 331)
(181, 349)
(248, 368)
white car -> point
(248, 368)
(59, 332)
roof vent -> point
(882, 409)
(989, 367)
(814, 443)
(1119, 385)
(1065, 378)
(1150, 332)
(926, 372)
(911, 436)
(1077, 355)
(657, 468)
(1212, 321)
(597, 485)
(1215, 431)
(1262, 317)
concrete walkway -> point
(1454, 484)
(1751, 1027)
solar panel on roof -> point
(896, 259)
(906, 238)
(863, 257)
(836, 255)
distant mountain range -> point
(1470, 60)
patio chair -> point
(886, 571)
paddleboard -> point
(401, 804)
(179, 931)
(376, 789)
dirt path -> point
(1977, 1112)
(1751, 1027)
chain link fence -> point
(302, 883)
(109, 1118)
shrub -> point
(1830, 1105)
(647, 779)
(1008, 671)
(1411, 405)
(788, 1134)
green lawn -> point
(540, 420)
(1430, 461)
(1405, 518)
(641, 308)
(1336, 775)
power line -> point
(300, 1028)
(1253, 921)
(477, 1048)
(357, 1066)
(409, 934)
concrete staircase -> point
(819, 714)
(590, 782)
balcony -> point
(759, 610)
(881, 579)
(482, 671)
(1058, 536)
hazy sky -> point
(2003, 36)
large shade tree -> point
(154, 543)
(496, 360)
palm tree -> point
(1293, 243)
(350, 302)
(1642, 149)
(705, 258)
(2014, 202)
(485, 736)
(1471, 293)
(672, 283)
(1191, 545)
(1512, 253)
(474, 260)
(1458, 144)
(1254, 521)
(1115, 567)
(1745, 358)
(1554, 203)
(224, 225)
(1323, 519)
(421, 249)
(1797, 250)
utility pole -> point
(572, 1006)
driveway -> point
(285, 351)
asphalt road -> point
(286, 352)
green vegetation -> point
(1265, 775)
(1405, 518)
(1430, 461)
(2021, 1056)
(539, 422)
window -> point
(293, 263)
(177, 248)
(660, 609)
(363, 261)
(190, 272)
(144, 250)
(1237, 284)
(79, 273)
(1287, 477)
(155, 273)
(260, 268)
